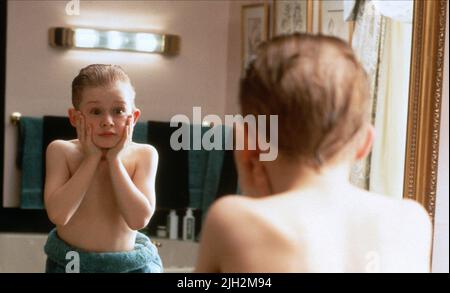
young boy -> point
(302, 214)
(100, 188)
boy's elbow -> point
(141, 221)
(57, 218)
(138, 224)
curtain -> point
(367, 41)
(383, 46)
(388, 154)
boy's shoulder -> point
(63, 152)
(399, 212)
(142, 149)
(63, 145)
(402, 205)
(239, 224)
(141, 154)
(415, 215)
(243, 210)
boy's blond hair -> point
(97, 75)
(318, 90)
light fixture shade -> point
(86, 38)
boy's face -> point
(106, 109)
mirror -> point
(405, 62)
(381, 36)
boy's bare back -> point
(97, 224)
(303, 214)
(345, 230)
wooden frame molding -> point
(425, 96)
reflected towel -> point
(143, 258)
(221, 175)
(211, 173)
(30, 161)
(140, 132)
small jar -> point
(161, 231)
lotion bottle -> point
(172, 224)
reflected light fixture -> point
(61, 37)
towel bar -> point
(15, 118)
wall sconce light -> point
(60, 37)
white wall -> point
(38, 77)
(441, 226)
(234, 66)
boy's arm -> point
(63, 194)
(136, 198)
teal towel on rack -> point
(31, 183)
(205, 171)
(140, 132)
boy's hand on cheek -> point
(85, 133)
(115, 152)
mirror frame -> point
(424, 109)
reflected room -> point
(185, 60)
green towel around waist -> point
(143, 258)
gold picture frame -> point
(291, 16)
(424, 107)
(331, 20)
(254, 29)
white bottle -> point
(172, 224)
(189, 226)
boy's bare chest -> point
(102, 181)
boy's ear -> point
(136, 115)
(72, 116)
(246, 155)
(365, 146)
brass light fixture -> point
(86, 38)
